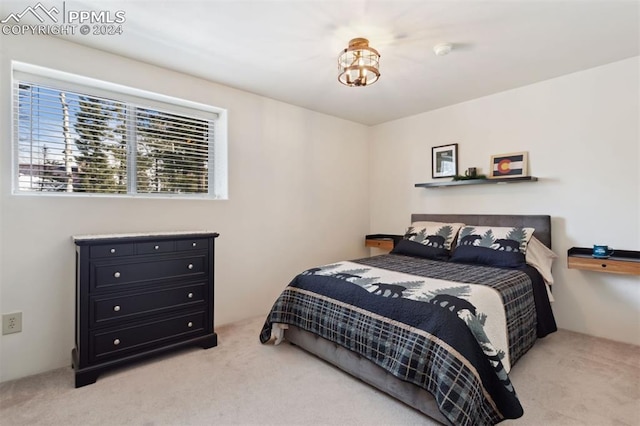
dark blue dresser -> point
(138, 295)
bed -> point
(438, 322)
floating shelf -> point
(383, 241)
(476, 182)
(621, 262)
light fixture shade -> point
(358, 64)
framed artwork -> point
(509, 165)
(444, 161)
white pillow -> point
(540, 257)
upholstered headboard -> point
(541, 223)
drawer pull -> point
(116, 308)
(156, 247)
(190, 324)
(194, 244)
(604, 265)
(116, 342)
(190, 266)
(112, 250)
(190, 295)
(117, 275)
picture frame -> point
(444, 161)
(511, 165)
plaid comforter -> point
(434, 345)
(513, 286)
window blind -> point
(93, 141)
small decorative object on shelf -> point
(619, 262)
(509, 165)
(602, 252)
(476, 177)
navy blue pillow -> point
(487, 256)
(411, 248)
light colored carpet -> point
(566, 379)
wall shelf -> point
(476, 182)
(622, 261)
(382, 241)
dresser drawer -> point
(113, 250)
(119, 341)
(155, 247)
(194, 244)
(112, 274)
(108, 309)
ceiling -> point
(287, 49)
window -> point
(74, 135)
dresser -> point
(138, 295)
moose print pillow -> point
(493, 246)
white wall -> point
(298, 198)
(582, 135)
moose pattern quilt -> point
(438, 325)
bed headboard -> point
(541, 223)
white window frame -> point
(218, 173)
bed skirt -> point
(366, 371)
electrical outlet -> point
(12, 323)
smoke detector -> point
(442, 48)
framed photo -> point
(444, 161)
(509, 165)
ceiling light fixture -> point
(358, 64)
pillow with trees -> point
(496, 238)
(433, 234)
(493, 246)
